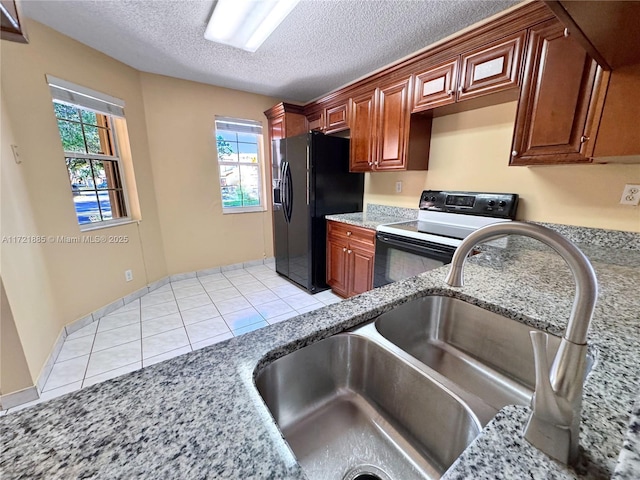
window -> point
(239, 145)
(86, 126)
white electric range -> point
(445, 218)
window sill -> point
(110, 224)
(232, 210)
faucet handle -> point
(546, 403)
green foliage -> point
(241, 198)
(71, 132)
(224, 148)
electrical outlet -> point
(630, 195)
(398, 187)
(128, 275)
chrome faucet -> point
(554, 425)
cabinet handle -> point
(349, 252)
(566, 32)
(584, 139)
(514, 153)
(344, 249)
(348, 234)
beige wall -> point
(180, 119)
(14, 371)
(470, 151)
(49, 285)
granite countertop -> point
(200, 416)
(375, 215)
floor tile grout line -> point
(217, 310)
(261, 281)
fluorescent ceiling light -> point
(246, 24)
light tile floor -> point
(177, 318)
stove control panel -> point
(499, 205)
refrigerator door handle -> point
(289, 193)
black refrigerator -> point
(311, 179)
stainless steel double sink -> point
(403, 396)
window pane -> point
(99, 175)
(106, 174)
(248, 137)
(105, 205)
(71, 136)
(93, 139)
(79, 173)
(89, 117)
(229, 185)
(248, 152)
(86, 203)
(249, 191)
(227, 151)
(66, 111)
(226, 135)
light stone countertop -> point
(200, 416)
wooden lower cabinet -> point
(350, 256)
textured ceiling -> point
(319, 47)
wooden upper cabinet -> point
(392, 126)
(336, 118)
(560, 102)
(362, 132)
(492, 68)
(384, 134)
(286, 120)
(488, 69)
(436, 86)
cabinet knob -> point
(461, 89)
(349, 252)
(344, 249)
(370, 163)
(449, 92)
(348, 234)
(566, 32)
(376, 163)
(514, 153)
(584, 139)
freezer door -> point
(297, 201)
(280, 224)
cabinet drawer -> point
(364, 237)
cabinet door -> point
(337, 265)
(392, 126)
(492, 68)
(557, 106)
(336, 118)
(362, 133)
(360, 270)
(435, 86)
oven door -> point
(400, 257)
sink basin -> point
(486, 354)
(350, 409)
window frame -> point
(113, 107)
(259, 165)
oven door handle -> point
(413, 246)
